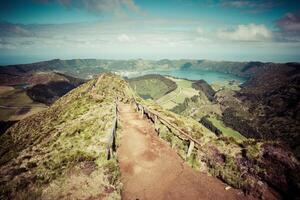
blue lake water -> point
(208, 76)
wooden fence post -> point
(155, 124)
(191, 147)
(111, 143)
(108, 152)
(142, 111)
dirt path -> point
(151, 169)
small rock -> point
(260, 183)
(227, 188)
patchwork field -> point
(184, 90)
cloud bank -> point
(246, 33)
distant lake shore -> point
(191, 74)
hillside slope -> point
(27, 94)
(152, 86)
(59, 153)
(267, 106)
(49, 90)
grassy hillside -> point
(15, 104)
(226, 131)
(59, 153)
(152, 86)
(184, 90)
(268, 106)
(204, 105)
(22, 96)
(51, 89)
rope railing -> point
(154, 116)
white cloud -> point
(250, 32)
(199, 30)
(202, 39)
(140, 38)
(125, 38)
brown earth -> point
(151, 169)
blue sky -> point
(151, 29)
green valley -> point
(152, 86)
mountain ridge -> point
(85, 68)
(71, 135)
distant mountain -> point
(83, 68)
(86, 68)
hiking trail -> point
(151, 169)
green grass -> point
(228, 132)
(184, 90)
(152, 86)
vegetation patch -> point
(226, 131)
(184, 90)
(152, 86)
